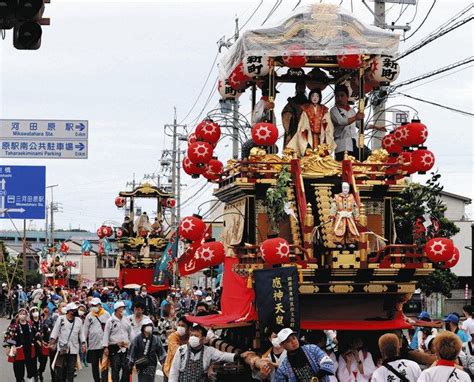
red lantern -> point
(238, 79)
(439, 249)
(104, 230)
(390, 144)
(64, 247)
(423, 160)
(192, 228)
(453, 260)
(192, 169)
(118, 233)
(100, 234)
(275, 251)
(200, 152)
(349, 61)
(406, 162)
(109, 231)
(208, 131)
(264, 134)
(417, 133)
(120, 202)
(401, 135)
(211, 253)
(213, 169)
(191, 138)
(293, 58)
(168, 202)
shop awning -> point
(237, 301)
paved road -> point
(6, 369)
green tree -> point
(440, 281)
(11, 269)
(413, 203)
(276, 198)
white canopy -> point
(317, 30)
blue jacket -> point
(318, 360)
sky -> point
(124, 66)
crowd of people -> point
(113, 331)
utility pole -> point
(175, 155)
(24, 252)
(52, 208)
(173, 167)
(235, 128)
(379, 108)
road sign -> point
(22, 192)
(46, 139)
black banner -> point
(276, 292)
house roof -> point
(465, 199)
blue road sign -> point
(22, 192)
(43, 139)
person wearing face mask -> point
(94, 325)
(137, 318)
(355, 363)
(145, 352)
(191, 362)
(19, 346)
(116, 341)
(274, 355)
(40, 349)
(146, 301)
(81, 313)
(67, 338)
(175, 340)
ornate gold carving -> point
(406, 288)
(319, 163)
(378, 156)
(375, 288)
(341, 288)
(308, 289)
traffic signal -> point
(25, 17)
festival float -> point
(309, 242)
(141, 243)
(54, 266)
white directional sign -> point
(46, 139)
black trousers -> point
(65, 373)
(94, 357)
(19, 369)
(42, 360)
(119, 362)
(51, 359)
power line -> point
(426, 17)
(272, 11)
(441, 31)
(437, 104)
(433, 73)
(202, 89)
(251, 16)
(439, 78)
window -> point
(401, 117)
(107, 261)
